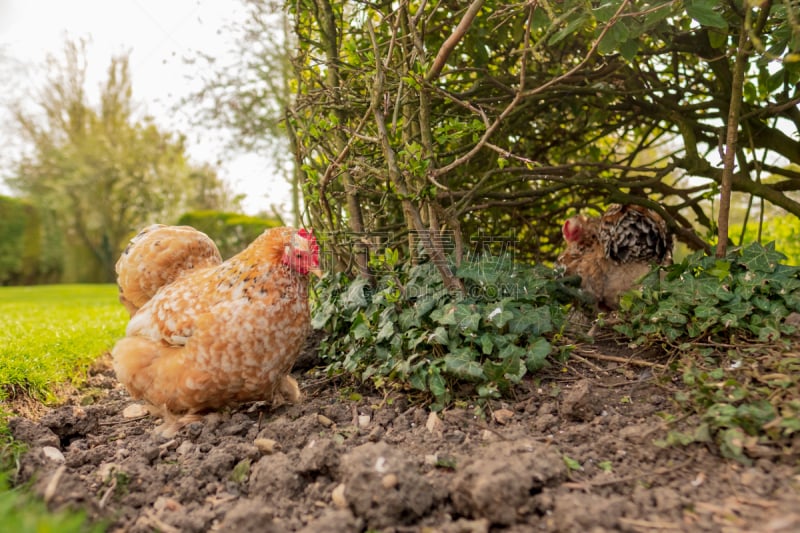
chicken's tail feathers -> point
(635, 233)
(157, 256)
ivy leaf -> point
(721, 269)
(533, 321)
(323, 314)
(462, 364)
(437, 384)
(355, 298)
(511, 351)
(424, 305)
(362, 331)
(408, 319)
(498, 316)
(487, 344)
(386, 331)
(732, 444)
(499, 372)
(466, 319)
(757, 258)
(537, 354)
(417, 380)
(439, 336)
(629, 49)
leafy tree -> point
(502, 118)
(99, 169)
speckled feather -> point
(634, 233)
(157, 256)
(221, 335)
(611, 253)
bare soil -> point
(573, 451)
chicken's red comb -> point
(309, 236)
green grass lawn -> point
(51, 334)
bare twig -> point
(624, 360)
(731, 138)
(584, 485)
(523, 93)
(455, 37)
(52, 484)
(107, 494)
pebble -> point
(337, 496)
(389, 481)
(502, 416)
(266, 446)
(489, 436)
(376, 434)
(150, 453)
(364, 420)
(456, 436)
(53, 454)
(185, 447)
(324, 420)
(135, 410)
(434, 424)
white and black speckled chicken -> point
(612, 253)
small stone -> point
(434, 424)
(431, 459)
(185, 447)
(53, 454)
(135, 410)
(502, 416)
(324, 420)
(389, 481)
(337, 497)
(163, 503)
(489, 436)
(578, 403)
(266, 446)
(364, 420)
(376, 434)
(194, 429)
(150, 453)
(456, 436)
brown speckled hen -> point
(612, 253)
(222, 335)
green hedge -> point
(231, 231)
(31, 247)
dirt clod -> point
(497, 484)
(383, 486)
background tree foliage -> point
(98, 171)
(249, 96)
(419, 119)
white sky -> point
(158, 34)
